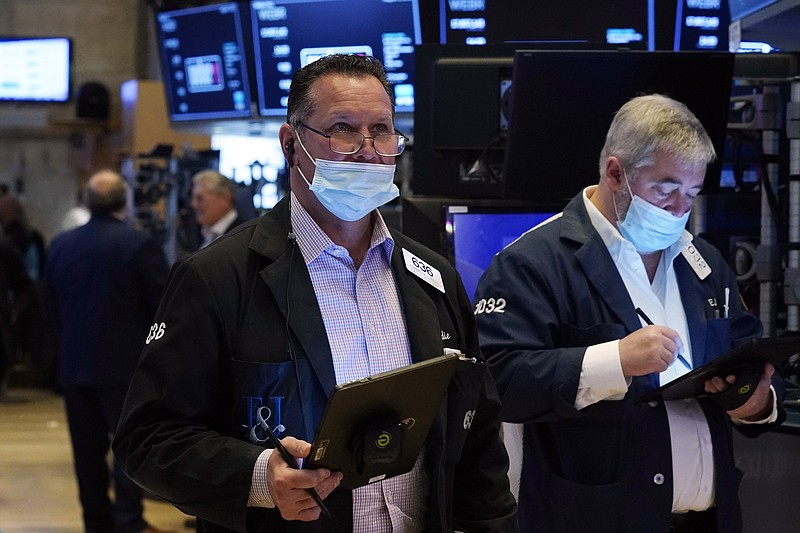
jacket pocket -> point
(580, 507)
(286, 398)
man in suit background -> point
(213, 202)
(104, 281)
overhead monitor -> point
(203, 62)
(558, 128)
(460, 119)
(598, 24)
(742, 8)
(34, 69)
(289, 34)
(701, 25)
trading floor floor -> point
(38, 491)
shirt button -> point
(658, 479)
(652, 404)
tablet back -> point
(374, 428)
(759, 351)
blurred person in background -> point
(213, 202)
(104, 281)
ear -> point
(287, 140)
(614, 177)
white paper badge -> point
(423, 270)
(696, 261)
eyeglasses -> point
(350, 142)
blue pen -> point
(650, 323)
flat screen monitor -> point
(558, 127)
(742, 8)
(596, 24)
(34, 69)
(289, 34)
(203, 62)
(477, 233)
(701, 25)
(460, 119)
(470, 231)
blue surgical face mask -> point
(351, 190)
(650, 228)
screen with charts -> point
(289, 34)
(35, 69)
(203, 62)
(477, 233)
(701, 25)
(597, 24)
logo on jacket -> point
(446, 336)
(468, 418)
(260, 417)
(156, 332)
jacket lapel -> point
(288, 279)
(422, 320)
(693, 304)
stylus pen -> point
(650, 323)
(292, 462)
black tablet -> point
(374, 428)
(692, 384)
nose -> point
(367, 151)
(680, 204)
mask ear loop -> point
(300, 142)
(628, 185)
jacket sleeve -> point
(531, 336)
(171, 437)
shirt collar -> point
(613, 239)
(313, 240)
(221, 226)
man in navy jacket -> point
(104, 280)
(563, 315)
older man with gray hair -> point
(213, 202)
(603, 303)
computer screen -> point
(701, 25)
(477, 233)
(470, 231)
(460, 119)
(35, 69)
(598, 24)
(203, 63)
(558, 129)
(741, 8)
(289, 34)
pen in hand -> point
(292, 462)
(650, 323)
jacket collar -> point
(601, 271)
(287, 277)
(597, 263)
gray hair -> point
(655, 123)
(218, 183)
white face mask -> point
(650, 228)
(351, 190)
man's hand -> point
(758, 406)
(649, 349)
(287, 485)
